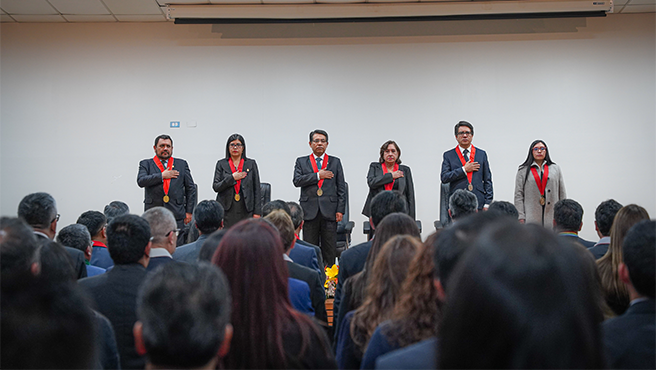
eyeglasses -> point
(56, 218)
(464, 133)
(540, 149)
(236, 146)
(176, 231)
(319, 141)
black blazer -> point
(630, 338)
(182, 192)
(333, 199)
(453, 174)
(377, 180)
(250, 185)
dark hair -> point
(208, 215)
(320, 132)
(127, 238)
(589, 267)
(210, 245)
(385, 203)
(639, 257)
(383, 148)
(520, 299)
(283, 224)
(462, 203)
(45, 325)
(568, 215)
(463, 123)
(504, 208)
(161, 222)
(115, 209)
(275, 205)
(18, 246)
(605, 214)
(56, 263)
(93, 220)
(38, 210)
(75, 236)
(296, 213)
(232, 138)
(250, 255)
(163, 137)
(184, 310)
(529, 158)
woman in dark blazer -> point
(389, 174)
(237, 183)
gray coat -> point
(527, 195)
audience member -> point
(115, 209)
(184, 317)
(505, 208)
(568, 221)
(383, 289)
(615, 291)
(297, 215)
(115, 292)
(77, 236)
(96, 223)
(604, 216)
(210, 245)
(629, 338)
(268, 333)
(163, 236)
(462, 203)
(519, 299)
(207, 218)
(18, 247)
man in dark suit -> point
(568, 221)
(77, 236)
(167, 182)
(296, 213)
(323, 195)
(208, 217)
(604, 216)
(96, 223)
(630, 338)
(114, 293)
(164, 235)
(39, 210)
(466, 167)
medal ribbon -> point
(541, 183)
(313, 162)
(239, 169)
(464, 162)
(391, 184)
(167, 182)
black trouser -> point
(323, 233)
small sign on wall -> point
(175, 124)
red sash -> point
(313, 162)
(541, 183)
(464, 162)
(167, 182)
(239, 169)
(390, 185)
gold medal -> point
(319, 192)
(542, 200)
(166, 199)
(237, 197)
(470, 187)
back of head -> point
(296, 213)
(273, 205)
(519, 299)
(462, 203)
(38, 210)
(605, 214)
(385, 203)
(208, 215)
(568, 215)
(639, 256)
(210, 245)
(283, 223)
(184, 310)
(93, 220)
(115, 209)
(18, 246)
(504, 208)
(127, 239)
(56, 263)
(161, 222)
(75, 236)
(392, 225)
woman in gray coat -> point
(538, 186)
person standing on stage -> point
(167, 182)
(466, 167)
(237, 183)
(323, 195)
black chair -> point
(265, 190)
(344, 228)
(444, 220)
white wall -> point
(82, 103)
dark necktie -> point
(466, 155)
(319, 163)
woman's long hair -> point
(529, 158)
(384, 287)
(232, 138)
(617, 296)
(250, 254)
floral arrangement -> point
(331, 280)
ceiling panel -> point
(80, 6)
(27, 7)
(141, 18)
(133, 7)
(89, 18)
(639, 9)
(6, 19)
(642, 2)
(38, 18)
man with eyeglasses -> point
(167, 182)
(466, 167)
(163, 234)
(323, 195)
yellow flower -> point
(331, 272)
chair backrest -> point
(444, 204)
(265, 189)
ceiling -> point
(62, 11)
